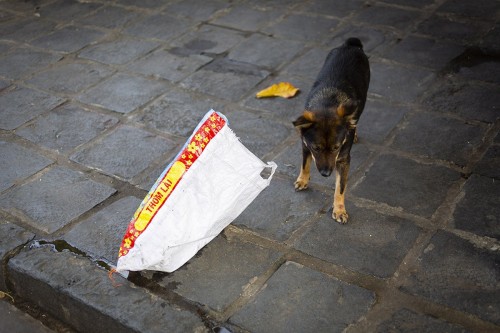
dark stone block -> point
(489, 165)
(68, 10)
(191, 9)
(480, 9)
(123, 93)
(17, 163)
(277, 307)
(70, 78)
(23, 104)
(66, 128)
(26, 30)
(23, 61)
(479, 209)
(68, 39)
(303, 28)
(55, 199)
(439, 137)
(246, 18)
(16, 321)
(454, 272)
(208, 39)
(387, 16)
(278, 211)
(124, 153)
(378, 120)
(118, 52)
(370, 243)
(444, 27)
(159, 26)
(110, 17)
(338, 8)
(101, 234)
(228, 263)
(400, 182)
(406, 321)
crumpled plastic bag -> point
(208, 184)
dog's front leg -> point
(341, 171)
(305, 170)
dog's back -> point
(344, 78)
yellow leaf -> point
(282, 89)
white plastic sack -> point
(208, 184)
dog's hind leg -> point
(305, 170)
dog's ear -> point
(304, 121)
(347, 108)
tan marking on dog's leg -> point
(339, 212)
(305, 173)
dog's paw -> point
(301, 184)
(340, 215)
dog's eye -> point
(316, 147)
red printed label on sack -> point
(157, 196)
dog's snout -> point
(325, 172)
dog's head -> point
(323, 133)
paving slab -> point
(406, 321)
(477, 212)
(338, 8)
(380, 15)
(70, 78)
(50, 202)
(444, 138)
(18, 163)
(223, 262)
(124, 152)
(489, 165)
(68, 39)
(456, 273)
(191, 9)
(265, 51)
(445, 27)
(66, 127)
(247, 18)
(374, 40)
(159, 26)
(23, 104)
(110, 17)
(309, 64)
(303, 28)
(169, 64)
(26, 30)
(208, 39)
(277, 216)
(15, 321)
(387, 181)
(100, 235)
(119, 51)
(123, 93)
(277, 309)
(225, 79)
(68, 10)
(81, 293)
(456, 96)
(178, 112)
(372, 243)
(12, 237)
(24, 61)
(482, 9)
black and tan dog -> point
(328, 125)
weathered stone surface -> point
(456, 273)
(66, 128)
(124, 153)
(159, 26)
(444, 138)
(15, 321)
(72, 288)
(225, 79)
(439, 26)
(378, 120)
(68, 10)
(55, 199)
(178, 112)
(118, 52)
(406, 321)
(110, 17)
(479, 209)
(70, 78)
(101, 234)
(276, 309)
(68, 39)
(24, 61)
(489, 165)
(18, 163)
(191, 9)
(123, 93)
(247, 18)
(276, 215)
(23, 104)
(387, 16)
(303, 28)
(229, 263)
(168, 65)
(26, 30)
(12, 237)
(388, 181)
(208, 39)
(370, 243)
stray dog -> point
(327, 126)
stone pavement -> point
(96, 97)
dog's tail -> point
(353, 42)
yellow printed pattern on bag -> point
(158, 195)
